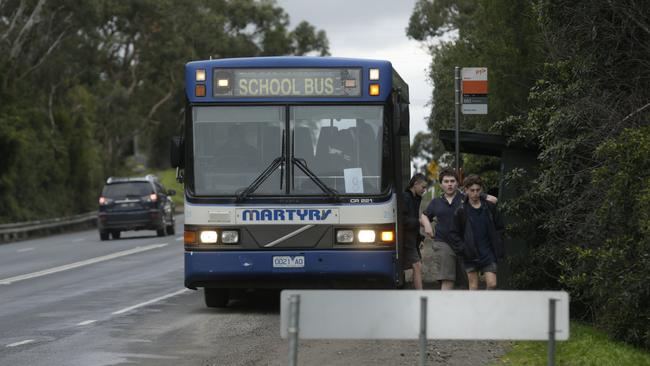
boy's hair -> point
(472, 179)
(419, 177)
(447, 172)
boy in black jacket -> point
(412, 197)
(476, 234)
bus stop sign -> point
(474, 88)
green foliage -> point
(568, 78)
(586, 346)
(585, 215)
(486, 167)
(500, 35)
(86, 84)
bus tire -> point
(103, 235)
(115, 234)
(216, 297)
(160, 232)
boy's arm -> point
(424, 221)
(490, 198)
(456, 233)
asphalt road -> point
(71, 299)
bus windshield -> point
(340, 145)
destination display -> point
(287, 82)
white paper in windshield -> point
(353, 180)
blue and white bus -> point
(292, 169)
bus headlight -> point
(366, 236)
(229, 236)
(344, 236)
(209, 237)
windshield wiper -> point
(261, 178)
(279, 161)
(302, 165)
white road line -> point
(20, 343)
(25, 250)
(86, 262)
(179, 238)
(87, 322)
(149, 302)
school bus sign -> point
(474, 87)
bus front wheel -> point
(216, 297)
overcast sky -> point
(373, 29)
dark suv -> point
(135, 204)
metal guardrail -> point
(24, 230)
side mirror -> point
(177, 152)
(171, 192)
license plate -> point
(285, 261)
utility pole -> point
(457, 110)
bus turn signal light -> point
(374, 89)
(199, 91)
(387, 236)
(189, 237)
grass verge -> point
(586, 346)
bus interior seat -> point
(271, 142)
(326, 142)
(368, 155)
(345, 144)
(304, 144)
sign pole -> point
(294, 311)
(457, 110)
(551, 332)
(423, 330)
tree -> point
(500, 35)
(589, 116)
(80, 79)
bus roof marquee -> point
(287, 79)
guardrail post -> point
(423, 330)
(551, 332)
(294, 321)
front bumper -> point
(322, 269)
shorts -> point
(444, 260)
(474, 267)
(411, 255)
